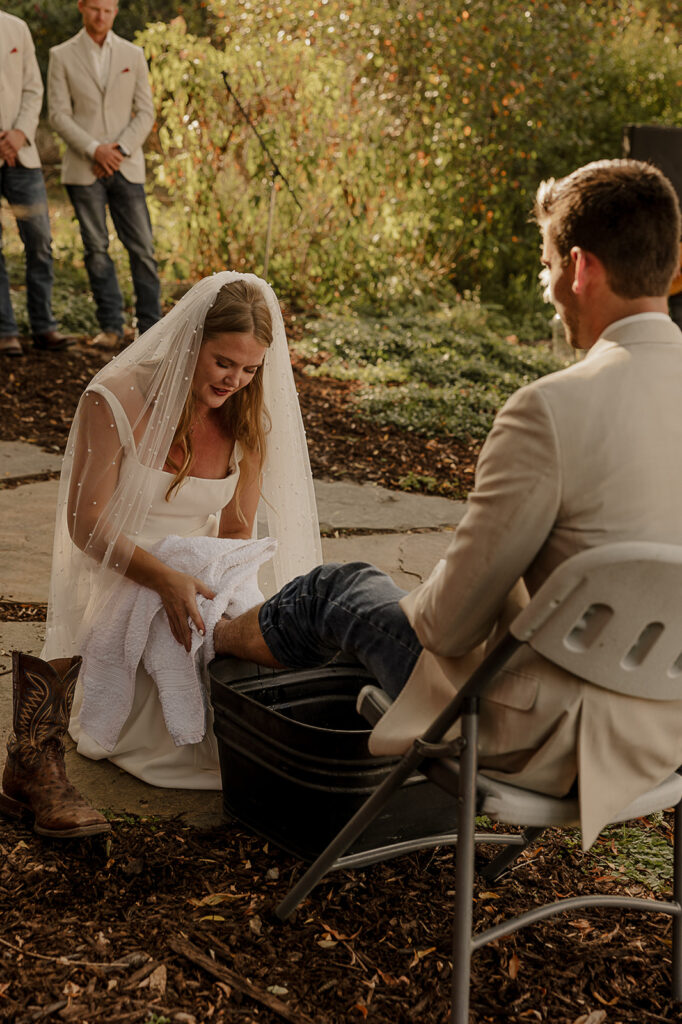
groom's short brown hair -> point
(626, 213)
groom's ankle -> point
(242, 638)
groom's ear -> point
(588, 270)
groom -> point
(576, 459)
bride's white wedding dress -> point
(144, 747)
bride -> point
(182, 435)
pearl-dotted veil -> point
(124, 426)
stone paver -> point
(18, 458)
(27, 516)
(407, 557)
(346, 505)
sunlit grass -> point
(441, 371)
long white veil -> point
(103, 498)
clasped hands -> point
(10, 143)
(107, 159)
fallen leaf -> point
(419, 954)
(157, 980)
(605, 1002)
(338, 935)
(214, 898)
(514, 965)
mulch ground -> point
(39, 393)
(170, 923)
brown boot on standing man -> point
(34, 783)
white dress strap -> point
(123, 427)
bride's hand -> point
(178, 592)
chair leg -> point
(492, 871)
(464, 871)
(677, 897)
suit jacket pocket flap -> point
(513, 690)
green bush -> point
(413, 137)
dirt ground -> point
(166, 922)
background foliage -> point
(413, 132)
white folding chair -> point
(611, 616)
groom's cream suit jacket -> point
(21, 87)
(83, 111)
(583, 457)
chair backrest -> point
(613, 615)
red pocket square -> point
(125, 70)
(14, 50)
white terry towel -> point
(134, 629)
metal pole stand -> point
(271, 215)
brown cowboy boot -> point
(34, 783)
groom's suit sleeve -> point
(510, 515)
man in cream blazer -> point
(23, 186)
(579, 458)
(100, 103)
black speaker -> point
(660, 145)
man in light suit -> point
(582, 457)
(100, 103)
(23, 186)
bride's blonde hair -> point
(240, 307)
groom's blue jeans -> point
(351, 608)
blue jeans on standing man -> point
(351, 608)
(128, 207)
(24, 190)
